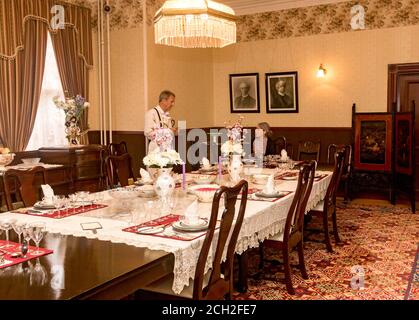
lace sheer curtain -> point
(49, 125)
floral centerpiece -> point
(163, 157)
(235, 138)
(6, 157)
(159, 163)
(233, 149)
(73, 109)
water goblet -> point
(38, 231)
(18, 228)
(72, 202)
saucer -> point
(179, 225)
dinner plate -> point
(150, 230)
(290, 178)
(199, 227)
(42, 206)
(201, 222)
(265, 195)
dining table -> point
(119, 220)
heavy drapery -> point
(23, 32)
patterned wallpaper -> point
(322, 19)
(331, 18)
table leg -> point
(243, 271)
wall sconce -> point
(321, 73)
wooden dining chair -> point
(217, 283)
(347, 165)
(117, 149)
(326, 209)
(280, 143)
(309, 149)
(25, 186)
(292, 235)
(119, 170)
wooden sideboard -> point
(85, 162)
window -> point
(49, 128)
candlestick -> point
(183, 177)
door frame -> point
(394, 73)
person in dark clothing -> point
(263, 142)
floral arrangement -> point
(163, 137)
(73, 109)
(235, 136)
(6, 157)
(162, 159)
(4, 150)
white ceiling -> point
(254, 6)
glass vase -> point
(235, 168)
(164, 186)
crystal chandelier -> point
(195, 24)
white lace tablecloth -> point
(262, 220)
(27, 167)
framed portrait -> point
(244, 93)
(282, 92)
(404, 145)
(373, 141)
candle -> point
(183, 177)
(219, 168)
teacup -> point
(191, 220)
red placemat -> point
(60, 214)
(8, 248)
(166, 221)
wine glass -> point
(38, 275)
(59, 203)
(6, 225)
(38, 231)
(18, 227)
(27, 236)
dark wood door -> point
(403, 96)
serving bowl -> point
(146, 191)
(31, 161)
(204, 179)
(205, 192)
(124, 193)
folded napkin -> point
(205, 163)
(48, 193)
(145, 175)
(270, 185)
(284, 154)
(192, 214)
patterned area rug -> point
(374, 260)
(412, 292)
